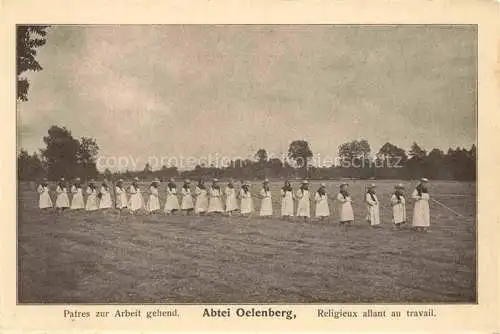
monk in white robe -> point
(121, 195)
(92, 201)
(172, 201)
(231, 200)
(136, 202)
(421, 212)
(372, 206)
(77, 202)
(398, 204)
(266, 202)
(304, 197)
(105, 196)
(187, 204)
(346, 214)
(287, 198)
(153, 204)
(44, 200)
(246, 205)
(201, 194)
(321, 199)
(215, 202)
(62, 199)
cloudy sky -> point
(145, 91)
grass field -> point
(81, 257)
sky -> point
(155, 91)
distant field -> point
(81, 257)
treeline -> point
(63, 156)
(67, 157)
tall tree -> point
(261, 156)
(355, 159)
(416, 152)
(355, 150)
(462, 162)
(107, 174)
(23, 165)
(86, 158)
(147, 168)
(435, 165)
(389, 161)
(300, 152)
(28, 39)
(60, 153)
(416, 163)
(29, 167)
(260, 167)
(391, 154)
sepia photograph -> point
(247, 164)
